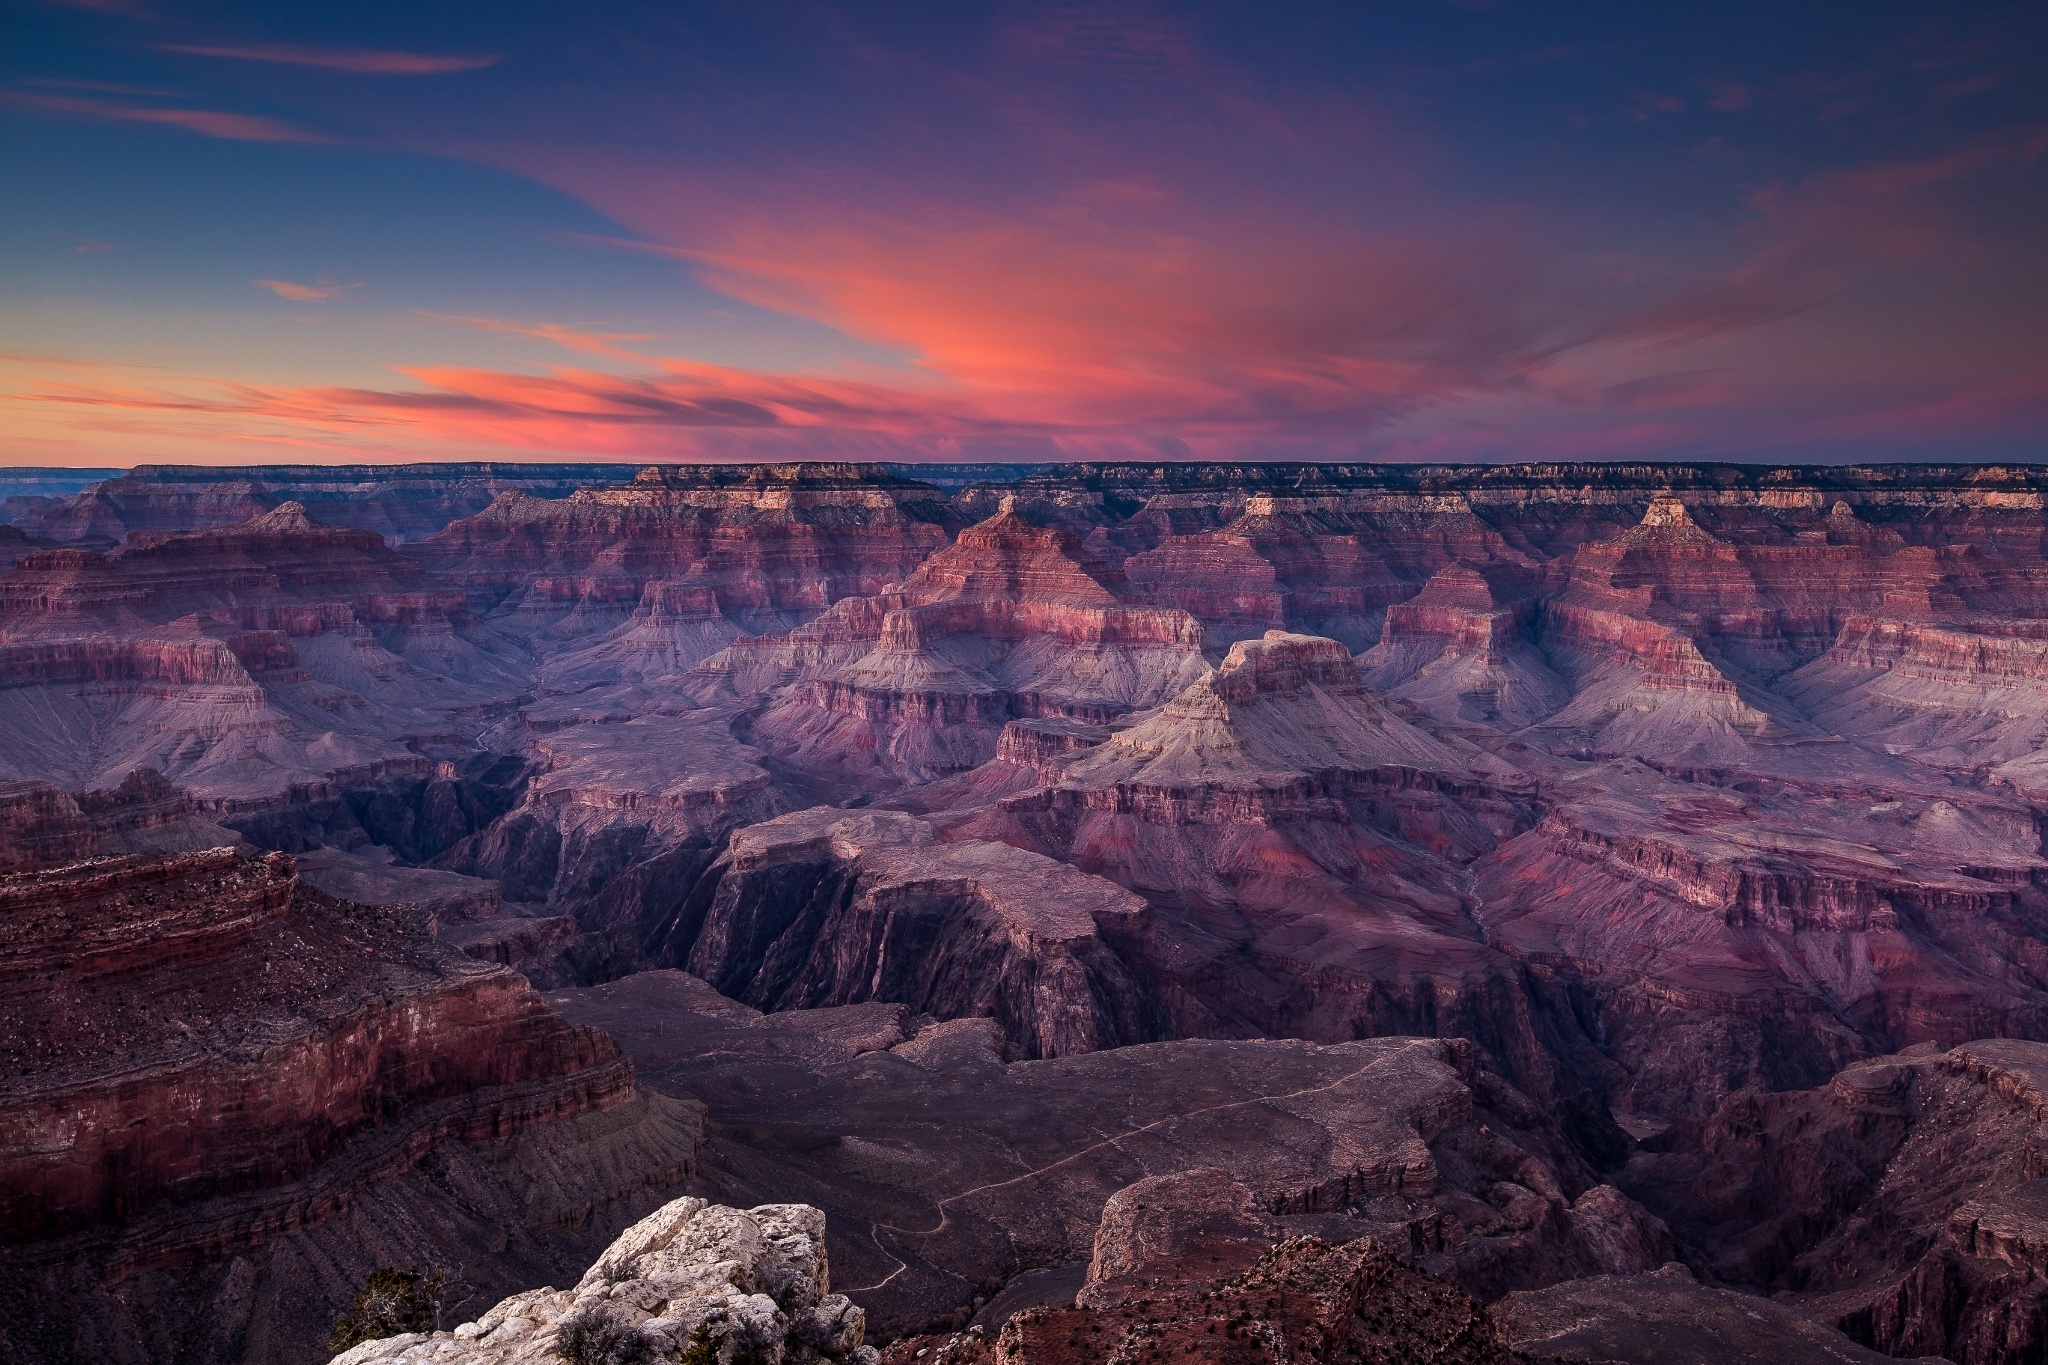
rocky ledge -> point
(735, 1286)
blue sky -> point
(1414, 231)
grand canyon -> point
(840, 912)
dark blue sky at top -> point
(1407, 231)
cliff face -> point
(401, 502)
(203, 1057)
(1656, 786)
(822, 908)
(1902, 1199)
(301, 1023)
(252, 663)
(777, 543)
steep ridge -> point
(1011, 619)
(208, 1063)
(1302, 846)
(1903, 1199)
(1461, 650)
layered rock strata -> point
(209, 1064)
(824, 908)
(1903, 1200)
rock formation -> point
(942, 1166)
(1903, 1200)
(1652, 797)
(206, 1058)
(733, 1284)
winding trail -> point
(875, 1230)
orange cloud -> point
(360, 60)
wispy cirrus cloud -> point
(318, 292)
(218, 123)
(569, 338)
(365, 61)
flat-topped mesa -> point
(1282, 662)
(203, 1033)
(282, 569)
(778, 544)
(822, 908)
(66, 582)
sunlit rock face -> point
(1663, 796)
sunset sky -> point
(1410, 231)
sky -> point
(1488, 230)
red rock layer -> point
(778, 544)
(1013, 619)
(181, 1030)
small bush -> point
(596, 1337)
(393, 1301)
(702, 1349)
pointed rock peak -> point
(1667, 522)
(512, 503)
(285, 518)
(1009, 557)
(1841, 511)
(1284, 662)
(1008, 506)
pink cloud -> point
(305, 293)
(360, 60)
(569, 338)
(205, 122)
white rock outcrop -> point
(692, 1280)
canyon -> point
(1565, 898)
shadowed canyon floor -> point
(1568, 877)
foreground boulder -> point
(719, 1284)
